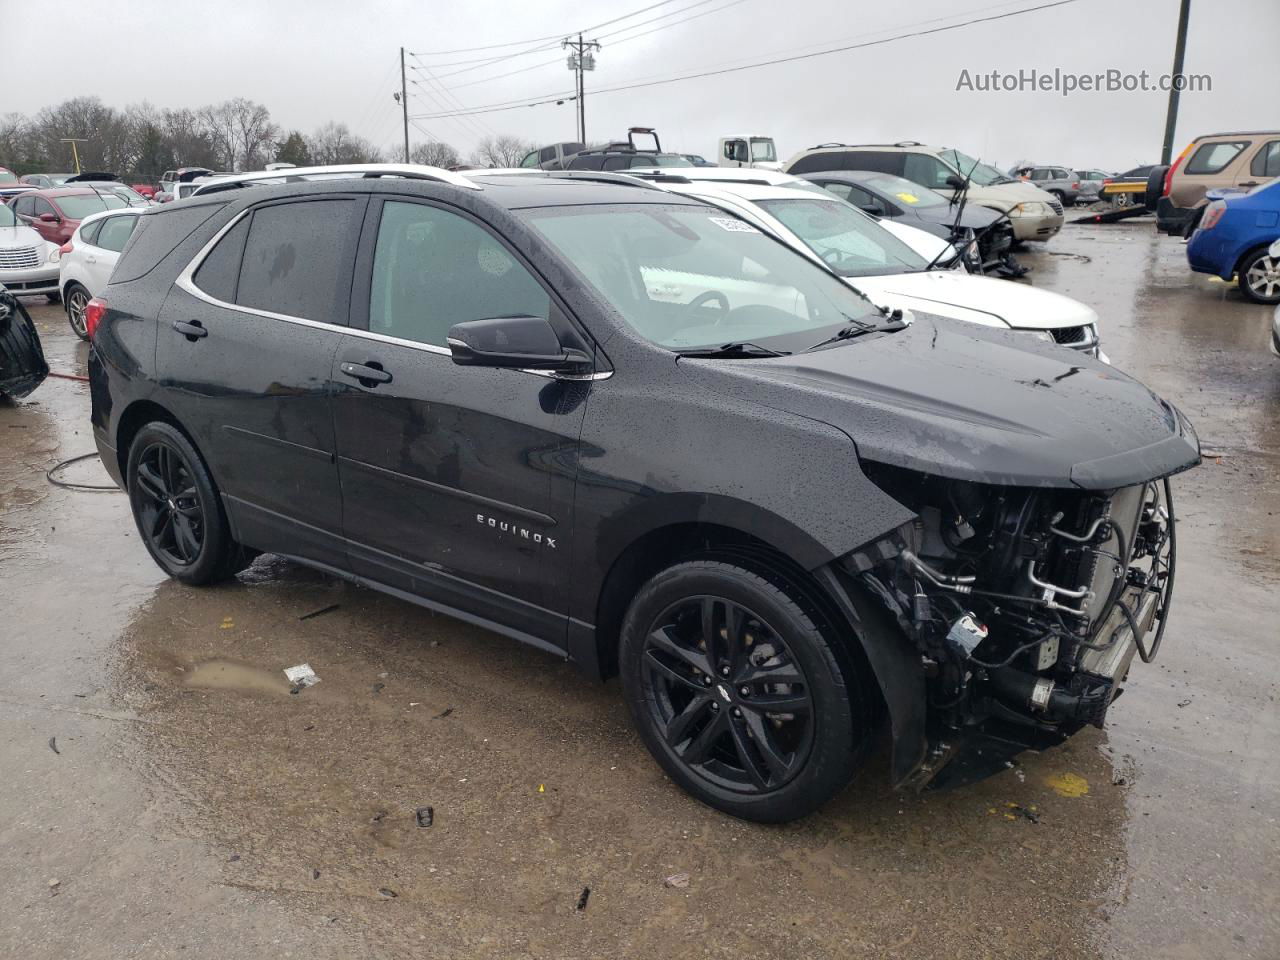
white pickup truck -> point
(757, 152)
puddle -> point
(219, 674)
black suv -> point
(635, 432)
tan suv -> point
(1212, 162)
(1033, 213)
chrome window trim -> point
(186, 282)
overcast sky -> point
(311, 61)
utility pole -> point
(581, 60)
(1179, 52)
(74, 152)
(404, 105)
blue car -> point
(1233, 240)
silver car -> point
(1062, 182)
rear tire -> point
(1259, 277)
(75, 299)
(177, 509)
(741, 697)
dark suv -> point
(636, 432)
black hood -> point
(959, 400)
(973, 216)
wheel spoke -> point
(779, 703)
(762, 738)
(150, 481)
(663, 640)
(678, 729)
(185, 539)
(785, 672)
(742, 747)
(670, 673)
(711, 632)
(699, 751)
(161, 527)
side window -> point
(547, 154)
(433, 268)
(841, 190)
(218, 274)
(874, 160)
(927, 171)
(44, 206)
(616, 163)
(586, 163)
(25, 206)
(295, 259)
(1266, 162)
(1040, 173)
(115, 231)
(1214, 157)
(89, 234)
(863, 200)
(530, 159)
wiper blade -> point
(895, 322)
(737, 348)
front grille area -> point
(16, 258)
(1057, 207)
(1070, 335)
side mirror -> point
(47, 218)
(954, 182)
(522, 343)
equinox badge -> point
(521, 532)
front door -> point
(244, 350)
(457, 482)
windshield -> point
(900, 188)
(849, 242)
(77, 206)
(7, 218)
(982, 175)
(688, 277)
(763, 150)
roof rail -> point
(353, 171)
(593, 176)
(833, 143)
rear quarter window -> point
(1212, 158)
(1266, 162)
(156, 235)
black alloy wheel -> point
(728, 694)
(168, 503)
(177, 509)
(745, 695)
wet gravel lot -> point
(163, 793)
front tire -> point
(1259, 277)
(75, 299)
(739, 694)
(177, 509)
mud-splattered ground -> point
(162, 793)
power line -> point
(791, 59)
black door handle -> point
(370, 374)
(193, 331)
(1249, 183)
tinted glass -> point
(841, 190)
(218, 275)
(43, 206)
(1266, 162)
(927, 171)
(156, 235)
(89, 234)
(1214, 157)
(665, 160)
(900, 188)
(979, 173)
(77, 206)
(586, 163)
(25, 206)
(618, 163)
(547, 153)
(114, 232)
(296, 258)
(688, 277)
(432, 269)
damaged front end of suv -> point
(1026, 606)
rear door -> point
(457, 481)
(1213, 163)
(246, 342)
(1263, 165)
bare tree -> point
(218, 123)
(254, 132)
(335, 143)
(435, 153)
(502, 151)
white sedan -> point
(890, 273)
(87, 259)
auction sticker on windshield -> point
(733, 226)
(908, 198)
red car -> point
(146, 189)
(55, 213)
